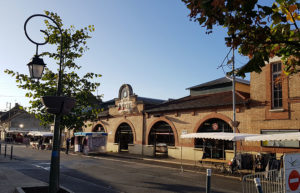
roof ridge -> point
(219, 81)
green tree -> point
(258, 31)
(78, 87)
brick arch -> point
(167, 121)
(99, 123)
(131, 126)
(212, 116)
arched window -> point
(213, 148)
(161, 132)
(98, 128)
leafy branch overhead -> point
(78, 87)
(259, 31)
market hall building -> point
(266, 104)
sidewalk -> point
(10, 178)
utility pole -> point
(233, 96)
(234, 123)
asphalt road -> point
(83, 174)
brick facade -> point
(255, 116)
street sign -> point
(294, 180)
(292, 172)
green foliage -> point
(80, 88)
(263, 31)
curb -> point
(20, 189)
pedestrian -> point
(67, 145)
(40, 143)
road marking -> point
(45, 168)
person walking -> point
(40, 143)
(67, 145)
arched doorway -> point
(124, 136)
(161, 136)
(98, 128)
(213, 148)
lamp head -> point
(36, 67)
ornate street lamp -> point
(36, 67)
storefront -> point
(124, 137)
(152, 127)
(161, 136)
(212, 148)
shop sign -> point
(125, 105)
(292, 172)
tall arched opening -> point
(161, 136)
(213, 148)
(124, 136)
(98, 128)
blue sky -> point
(151, 45)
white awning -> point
(219, 136)
(40, 133)
(289, 136)
(16, 131)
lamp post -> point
(36, 68)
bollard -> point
(208, 176)
(5, 150)
(258, 185)
(11, 152)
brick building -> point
(266, 104)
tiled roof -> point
(147, 101)
(201, 101)
(9, 114)
(219, 81)
(103, 113)
(150, 101)
(106, 104)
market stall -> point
(269, 161)
(216, 144)
(15, 136)
(90, 142)
(219, 136)
(40, 139)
